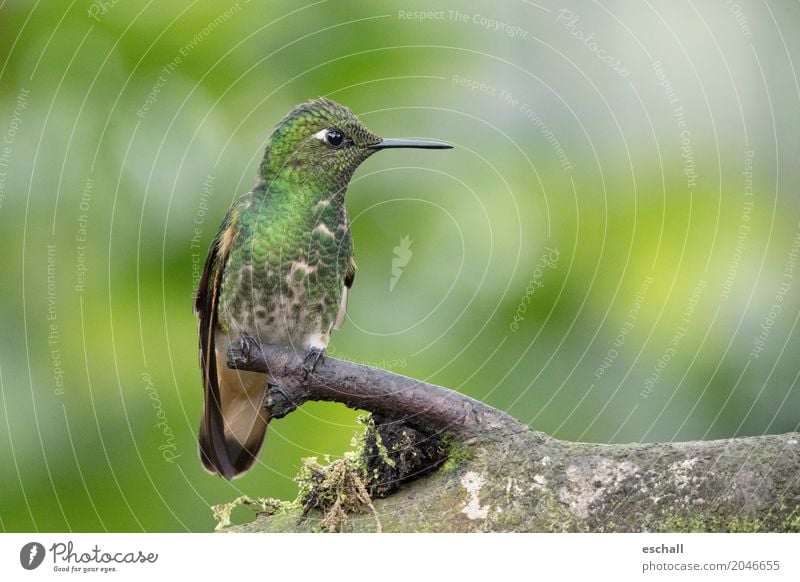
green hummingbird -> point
(279, 269)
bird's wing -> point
(349, 277)
(213, 451)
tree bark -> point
(499, 475)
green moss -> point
(383, 457)
(771, 521)
(710, 523)
(359, 442)
(559, 517)
(794, 522)
(457, 456)
(263, 506)
(340, 488)
(336, 489)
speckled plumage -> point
(279, 269)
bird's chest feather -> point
(284, 285)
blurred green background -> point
(609, 253)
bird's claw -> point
(314, 357)
(242, 350)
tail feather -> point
(234, 423)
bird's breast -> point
(284, 278)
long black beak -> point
(410, 143)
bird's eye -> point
(334, 137)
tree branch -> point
(501, 476)
(428, 408)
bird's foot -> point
(314, 357)
(277, 400)
(242, 350)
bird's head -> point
(320, 143)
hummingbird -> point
(279, 269)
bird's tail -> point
(234, 424)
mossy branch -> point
(498, 475)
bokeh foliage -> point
(573, 188)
